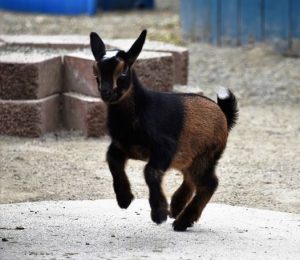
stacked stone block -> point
(180, 55)
(29, 87)
(40, 93)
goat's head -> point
(113, 69)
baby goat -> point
(187, 132)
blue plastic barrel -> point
(236, 22)
(63, 7)
(109, 5)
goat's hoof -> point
(125, 200)
(181, 225)
(159, 215)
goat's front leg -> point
(116, 159)
(157, 199)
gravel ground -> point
(260, 167)
(163, 25)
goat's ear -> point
(97, 46)
(136, 48)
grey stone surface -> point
(100, 230)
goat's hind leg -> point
(182, 196)
(206, 185)
(116, 159)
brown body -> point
(205, 130)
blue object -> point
(66, 7)
(235, 22)
(251, 23)
(109, 5)
(230, 22)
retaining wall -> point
(47, 83)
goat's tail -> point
(228, 103)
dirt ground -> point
(260, 167)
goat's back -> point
(204, 130)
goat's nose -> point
(105, 92)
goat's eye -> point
(124, 72)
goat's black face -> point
(113, 77)
(112, 69)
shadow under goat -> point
(187, 132)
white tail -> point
(223, 93)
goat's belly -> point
(138, 153)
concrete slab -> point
(100, 230)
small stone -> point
(20, 228)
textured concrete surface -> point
(84, 113)
(29, 118)
(29, 75)
(100, 230)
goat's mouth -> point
(109, 98)
(106, 98)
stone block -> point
(155, 70)
(78, 74)
(29, 75)
(84, 113)
(179, 53)
(29, 118)
(47, 41)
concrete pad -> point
(84, 113)
(155, 70)
(100, 230)
(29, 75)
(29, 118)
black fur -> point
(153, 122)
(229, 107)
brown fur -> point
(205, 129)
(118, 70)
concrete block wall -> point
(42, 91)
